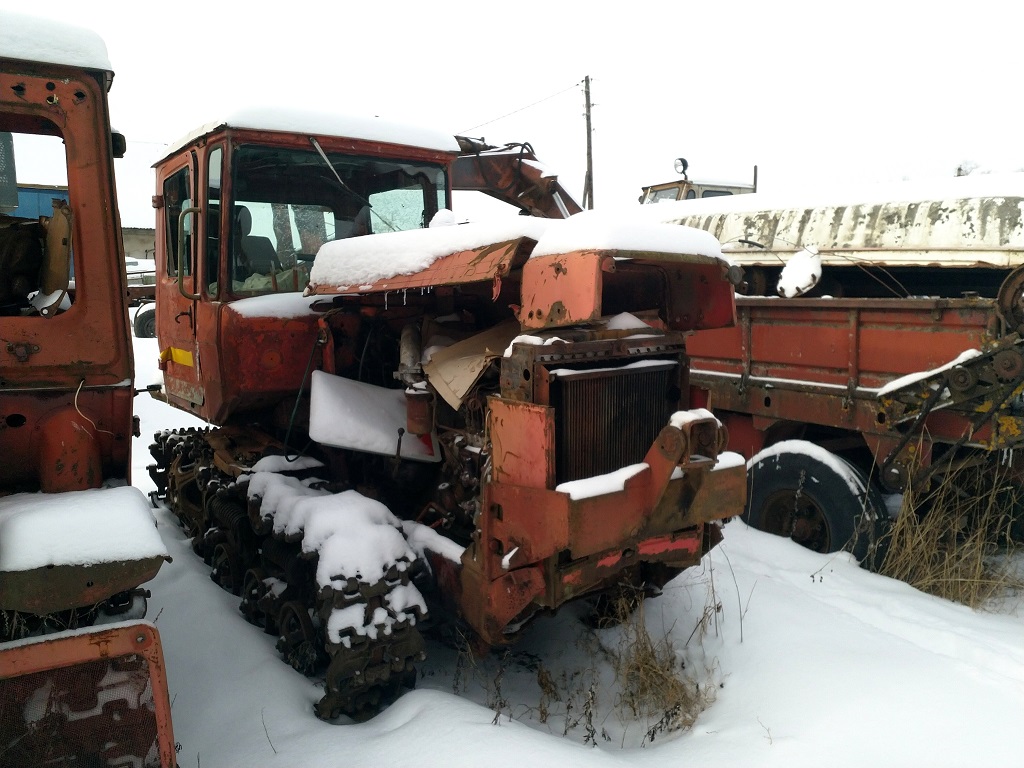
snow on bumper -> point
(83, 545)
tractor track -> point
(263, 535)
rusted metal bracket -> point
(983, 384)
(22, 350)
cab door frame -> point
(178, 284)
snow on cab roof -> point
(52, 42)
(324, 124)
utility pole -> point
(588, 183)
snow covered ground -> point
(810, 660)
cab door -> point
(178, 286)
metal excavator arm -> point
(513, 175)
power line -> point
(481, 125)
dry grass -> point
(651, 679)
(623, 684)
(949, 540)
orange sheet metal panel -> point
(474, 266)
(838, 341)
(561, 290)
(267, 366)
(904, 348)
(719, 349)
(523, 443)
(779, 346)
(490, 604)
(48, 438)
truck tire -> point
(819, 500)
(145, 323)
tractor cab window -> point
(274, 243)
(36, 256)
(177, 193)
(289, 202)
(212, 218)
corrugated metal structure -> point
(892, 241)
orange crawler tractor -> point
(489, 420)
(76, 541)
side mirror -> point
(118, 144)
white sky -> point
(812, 94)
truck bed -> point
(856, 344)
(793, 365)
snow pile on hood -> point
(282, 305)
(599, 232)
(362, 261)
(358, 261)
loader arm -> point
(513, 175)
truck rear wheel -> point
(819, 500)
(145, 323)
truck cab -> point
(685, 189)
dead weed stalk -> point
(948, 538)
(651, 680)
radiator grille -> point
(607, 419)
(95, 713)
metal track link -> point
(364, 663)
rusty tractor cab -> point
(516, 417)
(242, 211)
(77, 540)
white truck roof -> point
(32, 39)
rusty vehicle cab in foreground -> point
(76, 542)
(508, 404)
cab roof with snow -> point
(27, 38)
(370, 129)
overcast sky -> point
(812, 93)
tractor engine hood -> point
(569, 271)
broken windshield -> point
(289, 202)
